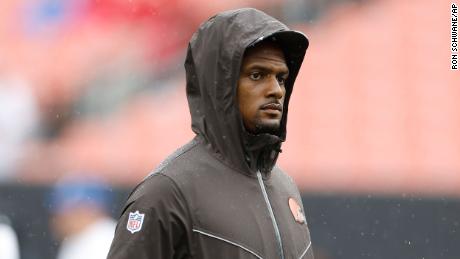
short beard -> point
(261, 128)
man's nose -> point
(275, 88)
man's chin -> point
(268, 128)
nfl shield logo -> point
(135, 222)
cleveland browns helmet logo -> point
(296, 211)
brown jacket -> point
(221, 195)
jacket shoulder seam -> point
(178, 153)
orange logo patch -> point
(296, 211)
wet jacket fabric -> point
(221, 195)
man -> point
(221, 195)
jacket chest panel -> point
(232, 215)
(232, 212)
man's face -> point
(261, 88)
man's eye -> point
(281, 80)
(255, 76)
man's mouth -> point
(272, 106)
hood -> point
(212, 65)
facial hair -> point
(267, 128)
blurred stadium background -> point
(97, 87)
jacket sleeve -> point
(154, 222)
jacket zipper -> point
(272, 216)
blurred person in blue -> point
(9, 247)
(80, 218)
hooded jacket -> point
(221, 195)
